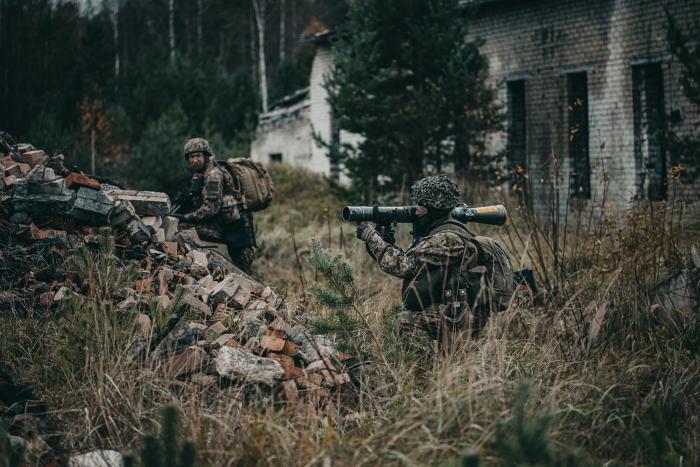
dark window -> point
(517, 134)
(577, 109)
(276, 157)
(649, 130)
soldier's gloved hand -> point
(363, 231)
(177, 215)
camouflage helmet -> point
(437, 191)
(197, 145)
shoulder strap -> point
(454, 227)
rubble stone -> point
(138, 231)
(122, 213)
(34, 158)
(170, 226)
(199, 258)
(101, 458)
(214, 331)
(143, 322)
(222, 340)
(170, 249)
(146, 203)
(224, 291)
(291, 371)
(189, 360)
(62, 294)
(235, 363)
(13, 170)
(274, 344)
(291, 392)
(197, 304)
(204, 380)
(92, 207)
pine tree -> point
(407, 81)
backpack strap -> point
(454, 227)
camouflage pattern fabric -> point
(197, 145)
(437, 191)
(217, 184)
(441, 249)
(420, 329)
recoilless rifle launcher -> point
(388, 215)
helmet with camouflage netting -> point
(198, 145)
(436, 191)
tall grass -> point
(583, 374)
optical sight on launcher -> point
(385, 215)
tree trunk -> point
(253, 55)
(171, 29)
(259, 8)
(283, 29)
(199, 27)
(115, 24)
(93, 136)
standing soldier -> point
(447, 291)
(216, 205)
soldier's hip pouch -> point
(230, 209)
(454, 307)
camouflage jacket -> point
(440, 249)
(219, 200)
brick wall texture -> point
(541, 41)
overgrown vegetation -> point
(609, 377)
(407, 81)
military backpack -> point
(488, 286)
(254, 182)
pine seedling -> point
(523, 439)
(166, 450)
(151, 452)
(337, 292)
(168, 434)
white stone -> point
(101, 458)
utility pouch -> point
(230, 209)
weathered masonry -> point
(587, 88)
(290, 130)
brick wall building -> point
(586, 86)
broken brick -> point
(291, 392)
(214, 331)
(189, 360)
(76, 180)
(291, 371)
(274, 344)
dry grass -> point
(629, 396)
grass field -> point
(589, 373)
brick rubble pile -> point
(236, 331)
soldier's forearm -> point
(389, 257)
(206, 211)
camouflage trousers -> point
(242, 258)
(421, 329)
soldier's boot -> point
(242, 258)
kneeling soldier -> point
(443, 282)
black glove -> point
(363, 230)
(387, 233)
